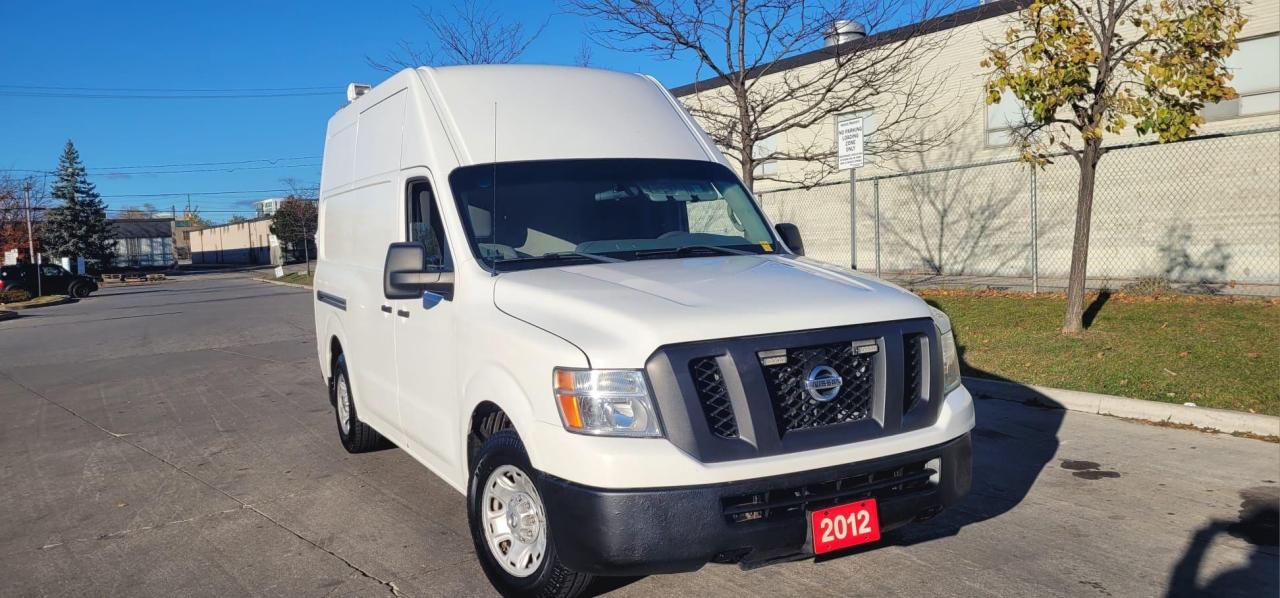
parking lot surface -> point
(176, 439)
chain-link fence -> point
(1202, 215)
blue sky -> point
(232, 44)
(215, 45)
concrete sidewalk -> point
(1215, 420)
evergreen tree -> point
(78, 226)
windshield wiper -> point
(688, 249)
(559, 255)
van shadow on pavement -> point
(1011, 447)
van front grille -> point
(714, 397)
(796, 408)
(912, 370)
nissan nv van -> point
(547, 286)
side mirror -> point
(791, 237)
(406, 275)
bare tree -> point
(752, 96)
(469, 32)
(14, 195)
(584, 55)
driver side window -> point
(424, 224)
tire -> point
(80, 290)
(501, 457)
(356, 436)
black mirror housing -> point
(791, 237)
(406, 275)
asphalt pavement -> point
(176, 440)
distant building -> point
(144, 242)
(182, 237)
(249, 242)
(267, 207)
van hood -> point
(619, 313)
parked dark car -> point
(54, 280)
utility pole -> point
(306, 247)
(31, 240)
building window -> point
(760, 151)
(1005, 117)
(1254, 77)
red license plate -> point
(845, 525)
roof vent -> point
(355, 90)
(843, 31)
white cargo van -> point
(546, 285)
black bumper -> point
(669, 530)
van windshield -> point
(550, 212)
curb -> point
(1221, 420)
(283, 284)
(8, 315)
(62, 301)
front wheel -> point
(509, 525)
(80, 291)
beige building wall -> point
(1198, 210)
(248, 243)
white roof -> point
(556, 112)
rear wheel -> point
(509, 525)
(356, 436)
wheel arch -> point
(490, 391)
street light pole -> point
(31, 240)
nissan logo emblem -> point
(823, 383)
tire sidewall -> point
(340, 371)
(505, 448)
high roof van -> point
(548, 287)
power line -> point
(102, 172)
(186, 193)
(101, 169)
(172, 90)
(205, 96)
(119, 210)
(271, 160)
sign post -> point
(850, 157)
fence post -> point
(1035, 238)
(853, 218)
(875, 186)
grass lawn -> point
(301, 278)
(1214, 352)
(35, 302)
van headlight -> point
(605, 403)
(950, 356)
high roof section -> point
(556, 112)
(934, 25)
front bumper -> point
(669, 530)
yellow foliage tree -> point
(1085, 69)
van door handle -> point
(404, 313)
(386, 309)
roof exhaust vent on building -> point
(355, 90)
(843, 31)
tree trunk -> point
(748, 173)
(1073, 322)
